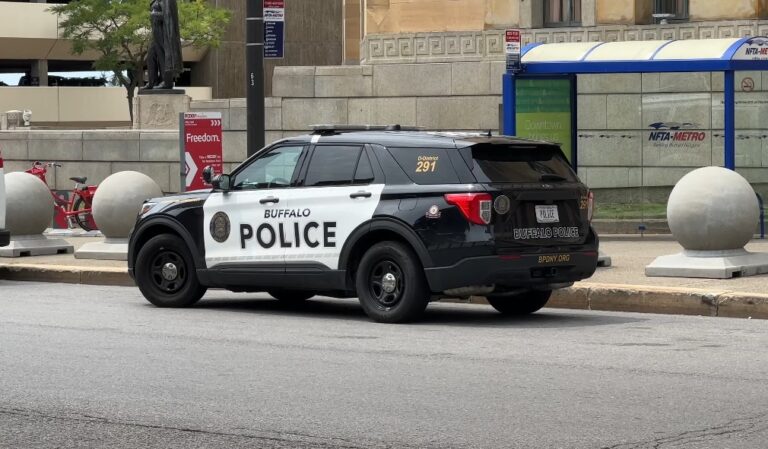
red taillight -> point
(1, 159)
(476, 207)
(590, 205)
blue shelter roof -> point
(692, 55)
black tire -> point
(520, 304)
(291, 295)
(165, 273)
(84, 220)
(409, 294)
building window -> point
(670, 10)
(562, 13)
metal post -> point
(730, 121)
(254, 59)
(509, 89)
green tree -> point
(117, 33)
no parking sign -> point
(201, 145)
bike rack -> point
(761, 204)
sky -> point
(12, 79)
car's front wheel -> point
(165, 273)
(521, 303)
(390, 283)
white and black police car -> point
(394, 216)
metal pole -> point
(510, 106)
(730, 120)
(254, 59)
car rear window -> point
(510, 163)
(426, 166)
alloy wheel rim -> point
(386, 284)
(168, 271)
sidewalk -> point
(620, 287)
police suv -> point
(394, 216)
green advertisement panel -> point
(544, 111)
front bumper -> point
(515, 271)
(5, 237)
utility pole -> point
(254, 60)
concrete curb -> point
(665, 300)
(661, 300)
(583, 296)
(66, 274)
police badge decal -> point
(220, 227)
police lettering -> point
(289, 235)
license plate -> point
(547, 214)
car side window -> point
(332, 165)
(272, 170)
(364, 173)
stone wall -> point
(489, 44)
(617, 154)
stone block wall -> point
(617, 154)
(449, 96)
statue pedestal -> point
(159, 109)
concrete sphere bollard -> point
(29, 204)
(712, 209)
(118, 201)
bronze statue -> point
(164, 62)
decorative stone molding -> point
(489, 45)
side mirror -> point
(208, 174)
(222, 182)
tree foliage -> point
(117, 33)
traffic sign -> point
(513, 49)
(274, 29)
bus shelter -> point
(563, 62)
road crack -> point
(741, 426)
(280, 437)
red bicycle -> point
(75, 210)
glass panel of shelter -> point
(638, 134)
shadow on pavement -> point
(437, 313)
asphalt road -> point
(84, 366)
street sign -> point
(513, 49)
(274, 29)
(201, 145)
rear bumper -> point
(5, 237)
(518, 271)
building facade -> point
(386, 31)
(30, 44)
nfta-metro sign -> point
(201, 145)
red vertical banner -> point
(202, 146)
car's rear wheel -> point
(520, 304)
(291, 295)
(165, 273)
(390, 283)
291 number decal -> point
(426, 164)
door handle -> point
(360, 194)
(269, 200)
